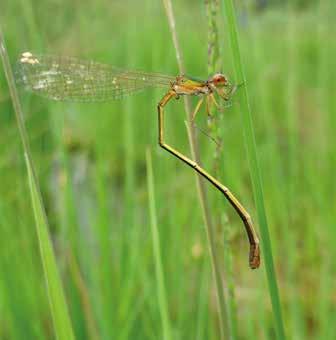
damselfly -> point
(71, 79)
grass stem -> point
(254, 169)
(200, 182)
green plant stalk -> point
(59, 310)
(200, 182)
(254, 169)
(161, 290)
(214, 60)
(214, 65)
(265, 105)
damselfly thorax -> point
(217, 83)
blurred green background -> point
(91, 164)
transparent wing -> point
(72, 79)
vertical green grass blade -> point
(161, 290)
(254, 168)
(62, 323)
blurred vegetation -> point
(266, 4)
(91, 165)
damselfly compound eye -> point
(219, 80)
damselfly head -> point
(219, 80)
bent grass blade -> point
(72, 79)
